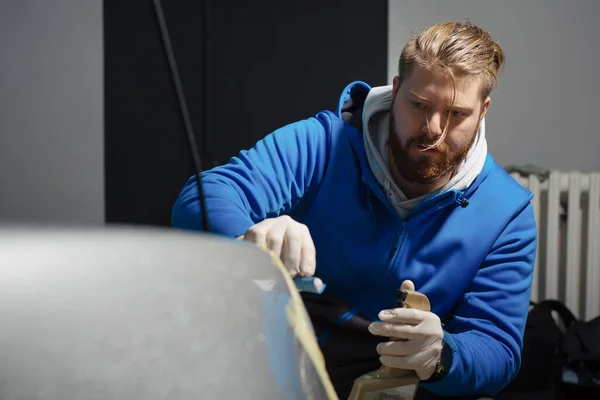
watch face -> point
(445, 358)
(440, 367)
(444, 362)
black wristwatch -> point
(443, 365)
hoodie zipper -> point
(458, 197)
(396, 246)
(393, 251)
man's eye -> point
(418, 105)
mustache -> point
(425, 141)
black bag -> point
(581, 351)
(541, 361)
(557, 363)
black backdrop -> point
(259, 64)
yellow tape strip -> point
(297, 318)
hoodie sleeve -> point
(486, 331)
(266, 181)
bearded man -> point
(395, 188)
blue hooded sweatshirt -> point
(471, 252)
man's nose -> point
(433, 124)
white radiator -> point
(567, 210)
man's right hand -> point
(288, 239)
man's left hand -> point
(423, 334)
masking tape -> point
(297, 318)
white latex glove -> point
(423, 333)
(290, 240)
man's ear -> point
(395, 86)
(486, 105)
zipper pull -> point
(393, 251)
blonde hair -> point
(461, 49)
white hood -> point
(376, 132)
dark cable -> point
(182, 106)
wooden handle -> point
(406, 299)
(411, 299)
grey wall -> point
(544, 110)
(51, 111)
(51, 94)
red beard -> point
(428, 167)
